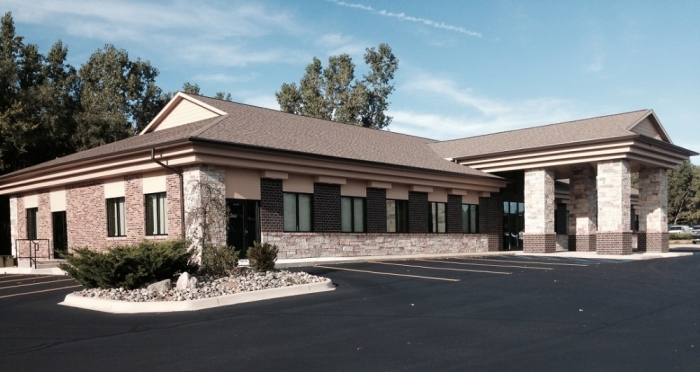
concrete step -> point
(48, 264)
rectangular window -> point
(156, 214)
(470, 218)
(352, 212)
(32, 223)
(397, 216)
(298, 211)
(116, 219)
(437, 217)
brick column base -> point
(539, 243)
(582, 243)
(494, 244)
(614, 242)
(652, 242)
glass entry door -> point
(513, 225)
(243, 224)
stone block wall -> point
(539, 236)
(614, 185)
(212, 177)
(653, 200)
(326, 207)
(454, 214)
(583, 209)
(44, 226)
(418, 212)
(14, 222)
(313, 245)
(376, 210)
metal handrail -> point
(33, 247)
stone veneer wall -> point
(376, 210)
(653, 218)
(539, 236)
(418, 212)
(454, 214)
(614, 235)
(326, 207)
(312, 245)
(14, 222)
(193, 177)
(44, 226)
(583, 209)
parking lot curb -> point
(125, 307)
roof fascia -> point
(179, 96)
(667, 145)
(82, 162)
(486, 176)
(544, 148)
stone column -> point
(653, 219)
(582, 210)
(14, 223)
(204, 184)
(614, 186)
(539, 236)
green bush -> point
(262, 257)
(129, 266)
(679, 236)
(218, 260)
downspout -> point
(182, 190)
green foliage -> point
(684, 194)
(129, 266)
(118, 97)
(679, 236)
(218, 261)
(262, 257)
(334, 94)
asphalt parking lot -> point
(510, 313)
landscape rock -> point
(161, 286)
(242, 280)
(186, 281)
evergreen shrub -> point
(218, 261)
(679, 236)
(262, 257)
(129, 266)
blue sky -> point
(466, 68)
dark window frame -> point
(400, 223)
(32, 223)
(311, 212)
(114, 230)
(159, 197)
(433, 217)
(467, 224)
(352, 213)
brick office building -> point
(317, 189)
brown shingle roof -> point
(255, 126)
(271, 129)
(598, 128)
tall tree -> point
(118, 97)
(334, 94)
(683, 193)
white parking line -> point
(44, 290)
(478, 264)
(27, 278)
(532, 262)
(391, 274)
(440, 268)
(27, 285)
(11, 276)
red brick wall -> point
(134, 208)
(86, 216)
(173, 195)
(45, 225)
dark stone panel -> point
(326, 208)
(271, 205)
(376, 210)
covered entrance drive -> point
(597, 157)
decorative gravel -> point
(243, 281)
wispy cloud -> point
(472, 114)
(338, 44)
(404, 17)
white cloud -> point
(225, 78)
(267, 101)
(339, 44)
(404, 17)
(473, 114)
(597, 65)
